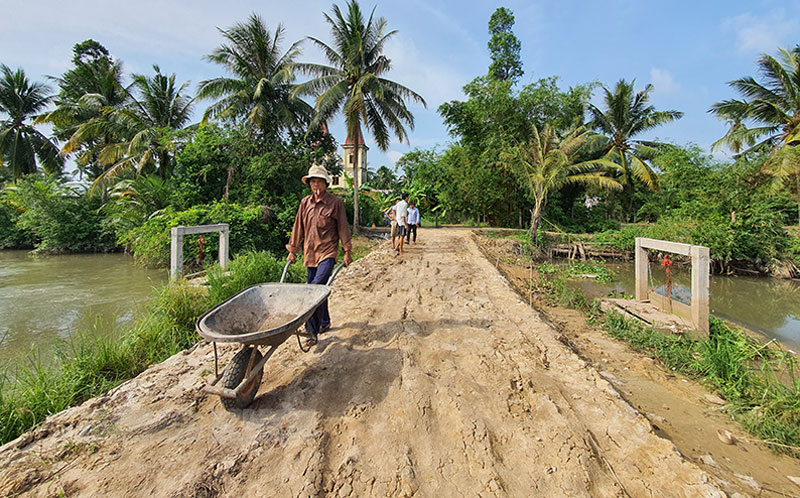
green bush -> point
(60, 219)
(369, 209)
(249, 268)
(11, 235)
(251, 228)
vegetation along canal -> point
(770, 306)
(43, 299)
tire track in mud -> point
(436, 380)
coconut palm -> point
(626, 115)
(353, 83)
(260, 90)
(773, 106)
(20, 143)
(147, 130)
(90, 90)
(546, 163)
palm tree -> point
(546, 163)
(353, 83)
(626, 115)
(774, 107)
(261, 87)
(20, 143)
(146, 131)
(90, 90)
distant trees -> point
(142, 134)
(504, 47)
(625, 115)
(88, 91)
(546, 162)
(22, 147)
(772, 105)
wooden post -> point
(641, 271)
(176, 253)
(700, 288)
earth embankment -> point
(436, 380)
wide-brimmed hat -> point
(316, 171)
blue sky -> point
(688, 50)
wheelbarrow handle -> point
(330, 280)
(335, 272)
(285, 269)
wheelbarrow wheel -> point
(235, 373)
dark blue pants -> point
(319, 275)
(411, 228)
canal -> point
(769, 306)
(47, 298)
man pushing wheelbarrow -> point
(320, 224)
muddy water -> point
(46, 298)
(768, 305)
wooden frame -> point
(700, 279)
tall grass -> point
(758, 381)
(92, 362)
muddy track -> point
(436, 380)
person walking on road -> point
(391, 213)
(401, 214)
(320, 224)
(413, 222)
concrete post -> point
(641, 271)
(176, 253)
(224, 241)
(701, 258)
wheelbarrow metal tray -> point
(242, 318)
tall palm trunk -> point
(356, 217)
(536, 216)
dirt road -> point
(436, 380)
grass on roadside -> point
(759, 381)
(92, 362)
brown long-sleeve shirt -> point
(320, 225)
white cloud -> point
(761, 34)
(426, 73)
(393, 156)
(663, 81)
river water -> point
(46, 298)
(770, 306)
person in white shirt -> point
(391, 214)
(400, 215)
(413, 222)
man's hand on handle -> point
(290, 258)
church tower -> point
(349, 156)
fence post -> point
(700, 288)
(176, 253)
(224, 241)
(642, 269)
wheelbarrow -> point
(262, 315)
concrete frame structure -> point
(698, 312)
(176, 245)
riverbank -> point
(726, 257)
(658, 375)
(94, 361)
